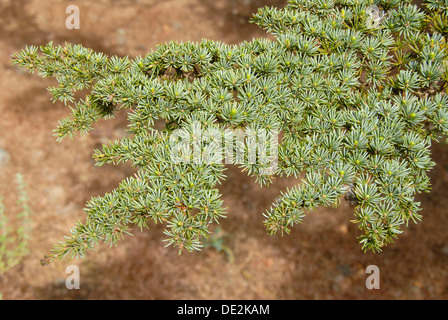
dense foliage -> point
(355, 89)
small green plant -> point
(14, 241)
(216, 241)
(356, 89)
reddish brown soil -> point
(320, 259)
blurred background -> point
(320, 259)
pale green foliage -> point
(358, 108)
(14, 241)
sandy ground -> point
(320, 259)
